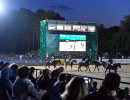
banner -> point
(26, 61)
(122, 61)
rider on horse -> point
(111, 62)
(70, 59)
(84, 60)
(99, 60)
(52, 59)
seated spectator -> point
(46, 84)
(55, 73)
(59, 84)
(14, 68)
(127, 93)
(23, 88)
(121, 94)
(33, 80)
(110, 84)
(75, 90)
(1, 63)
(93, 88)
(6, 84)
(61, 78)
(5, 65)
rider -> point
(111, 62)
(70, 59)
(52, 59)
(99, 60)
(83, 61)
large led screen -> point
(72, 46)
(72, 37)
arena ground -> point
(124, 72)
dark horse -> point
(114, 67)
(96, 63)
(47, 64)
(68, 63)
(86, 64)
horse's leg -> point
(94, 68)
(106, 70)
(71, 66)
(65, 65)
(86, 68)
(97, 68)
(115, 70)
(89, 68)
(78, 68)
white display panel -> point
(91, 28)
(51, 26)
(67, 27)
(59, 27)
(76, 28)
(72, 46)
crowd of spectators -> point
(18, 83)
(115, 56)
(29, 55)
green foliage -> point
(115, 39)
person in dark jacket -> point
(6, 84)
(33, 80)
(110, 84)
(23, 88)
(46, 84)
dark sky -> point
(107, 12)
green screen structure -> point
(53, 33)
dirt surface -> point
(124, 72)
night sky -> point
(107, 12)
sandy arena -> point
(124, 72)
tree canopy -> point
(20, 31)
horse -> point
(68, 63)
(96, 63)
(47, 64)
(114, 67)
(86, 64)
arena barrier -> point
(122, 61)
(77, 60)
(62, 60)
(26, 61)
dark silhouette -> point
(114, 67)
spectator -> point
(60, 84)
(121, 95)
(55, 73)
(127, 93)
(75, 90)
(110, 84)
(23, 88)
(93, 88)
(6, 84)
(14, 68)
(33, 80)
(5, 65)
(46, 84)
(1, 63)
